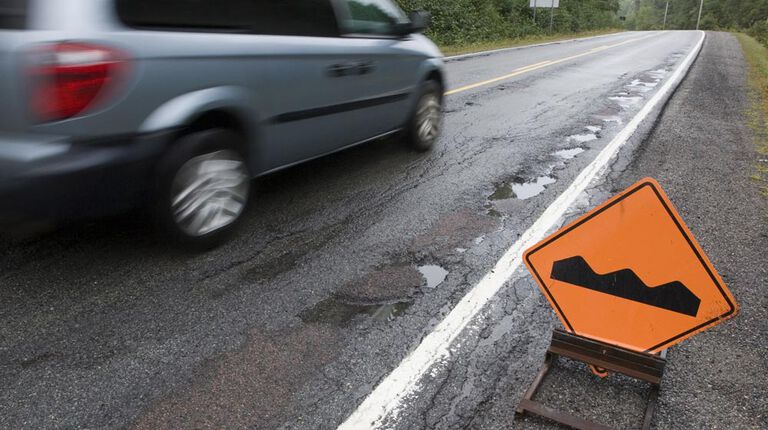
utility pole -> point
(698, 21)
(666, 9)
(534, 11)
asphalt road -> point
(345, 264)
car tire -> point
(202, 189)
(424, 127)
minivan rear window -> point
(275, 17)
(13, 14)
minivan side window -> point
(13, 14)
(269, 17)
(374, 17)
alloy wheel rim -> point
(209, 192)
(428, 118)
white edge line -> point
(385, 400)
(514, 48)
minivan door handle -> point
(350, 69)
(339, 70)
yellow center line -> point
(536, 66)
(516, 72)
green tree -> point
(466, 21)
(748, 15)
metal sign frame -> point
(637, 365)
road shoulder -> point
(701, 151)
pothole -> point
(336, 312)
(503, 191)
(388, 284)
(626, 101)
(494, 213)
(642, 86)
(610, 113)
(658, 73)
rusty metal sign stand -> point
(645, 367)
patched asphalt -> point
(320, 296)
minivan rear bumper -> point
(56, 179)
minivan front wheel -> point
(425, 125)
(203, 188)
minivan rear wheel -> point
(203, 188)
(425, 125)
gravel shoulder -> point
(702, 152)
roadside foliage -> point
(458, 22)
(747, 15)
(757, 115)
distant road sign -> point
(630, 273)
(545, 3)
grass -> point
(757, 57)
(527, 40)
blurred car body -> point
(177, 104)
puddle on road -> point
(626, 101)
(610, 118)
(568, 154)
(526, 190)
(333, 311)
(522, 190)
(435, 275)
(582, 138)
(633, 92)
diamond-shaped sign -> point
(630, 273)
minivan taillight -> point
(67, 78)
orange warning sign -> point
(629, 273)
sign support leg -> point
(645, 367)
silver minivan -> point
(175, 105)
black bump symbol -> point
(673, 296)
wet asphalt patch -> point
(384, 285)
(387, 292)
(337, 312)
(264, 372)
